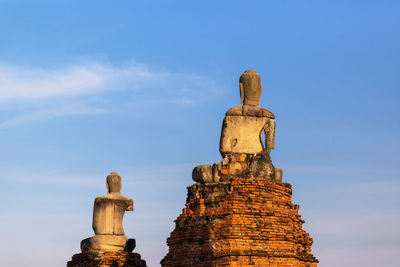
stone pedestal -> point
(241, 221)
(107, 258)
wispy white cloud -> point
(29, 84)
(51, 93)
(19, 83)
(50, 113)
(48, 177)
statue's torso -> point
(108, 213)
(243, 127)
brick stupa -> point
(239, 212)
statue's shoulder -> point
(100, 198)
(247, 110)
(127, 199)
(112, 197)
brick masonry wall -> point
(105, 259)
(244, 221)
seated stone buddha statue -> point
(247, 137)
(108, 213)
(244, 126)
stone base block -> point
(108, 258)
(104, 243)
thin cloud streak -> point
(50, 113)
(37, 83)
(33, 84)
(69, 91)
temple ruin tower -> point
(109, 246)
(239, 212)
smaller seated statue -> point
(108, 212)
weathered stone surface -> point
(104, 243)
(261, 166)
(107, 258)
(243, 221)
(245, 127)
(108, 213)
(110, 246)
(109, 210)
(278, 174)
(216, 170)
(202, 174)
(251, 111)
(250, 88)
(243, 134)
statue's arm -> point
(130, 205)
(269, 130)
(270, 136)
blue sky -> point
(141, 87)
